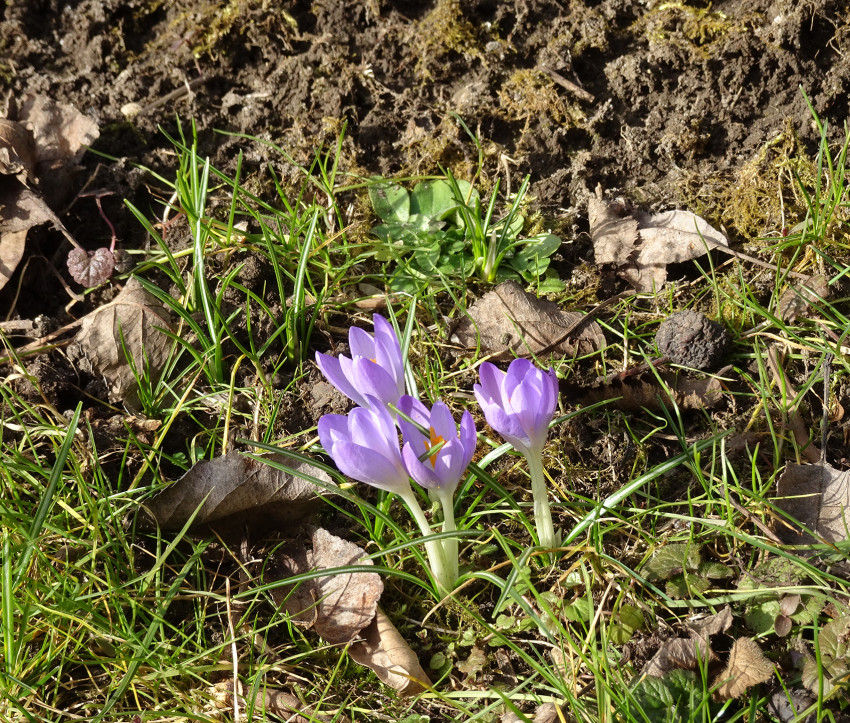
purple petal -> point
(518, 370)
(418, 412)
(372, 380)
(442, 421)
(366, 465)
(507, 425)
(531, 416)
(361, 343)
(468, 437)
(385, 336)
(332, 428)
(335, 373)
(491, 381)
(422, 473)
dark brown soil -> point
(666, 103)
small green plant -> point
(442, 229)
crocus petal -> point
(442, 421)
(491, 382)
(518, 371)
(361, 343)
(332, 429)
(334, 372)
(468, 437)
(418, 412)
(506, 424)
(366, 465)
(422, 474)
(372, 380)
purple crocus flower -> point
(443, 469)
(364, 445)
(519, 403)
(375, 369)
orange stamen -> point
(435, 439)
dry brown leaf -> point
(642, 245)
(688, 653)
(235, 490)
(712, 624)
(634, 394)
(17, 150)
(818, 496)
(270, 700)
(545, 713)
(132, 324)
(798, 297)
(747, 667)
(613, 230)
(12, 245)
(61, 131)
(510, 322)
(386, 652)
(336, 606)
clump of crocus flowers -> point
(434, 451)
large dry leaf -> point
(747, 667)
(17, 150)
(12, 247)
(545, 713)
(386, 652)
(798, 297)
(336, 606)
(642, 245)
(688, 653)
(61, 131)
(635, 394)
(270, 700)
(132, 325)
(236, 490)
(818, 496)
(508, 322)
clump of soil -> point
(693, 340)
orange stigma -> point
(429, 444)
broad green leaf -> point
(433, 199)
(628, 620)
(390, 201)
(834, 642)
(469, 196)
(671, 560)
(579, 611)
(686, 585)
(715, 570)
(669, 699)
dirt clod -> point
(693, 340)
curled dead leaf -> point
(133, 325)
(747, 667)
(688, 653)
(390, 657)
(337, 606)
(12, 247)
(642, 245)
(235, 490)
(17, 150)
(818, 496)
(273, 701)
(798, 297)
(508, 322)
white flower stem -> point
(540, 493)
(433, 548)
(446, 499)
